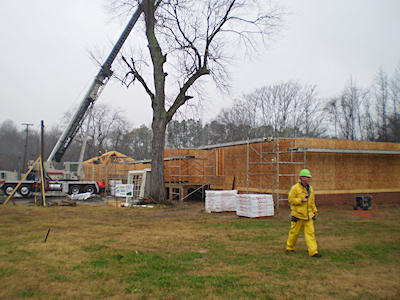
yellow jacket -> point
(302, 210)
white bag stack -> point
(255, 205)
(219, 201)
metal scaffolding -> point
(271, 161)
(260, 167)
(188, 174)
(289, 161)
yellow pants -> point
(309, 234)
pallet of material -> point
(254, 205)
(220, 201)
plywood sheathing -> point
(197, 169)
(232, 169)
(347, 144)
(339, 173)
(333, 173)
(226, 167)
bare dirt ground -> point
(97, 200)
(57, 200)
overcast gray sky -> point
(46, 68)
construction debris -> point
(81, 196)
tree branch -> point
(182, 98)
(137, 76)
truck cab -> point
(7, 176)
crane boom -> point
(92, 94)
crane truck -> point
(68, 180)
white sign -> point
(124, 190)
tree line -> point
(285, 109)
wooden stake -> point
(45, 239)
(41, 162)
(42, 179)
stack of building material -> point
(255, 205)
(219, 201)
(112, 184)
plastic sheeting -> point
(255, 205)
(219, 201)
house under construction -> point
(341, 169)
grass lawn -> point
(102, 252)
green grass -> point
(384, 252)
(172, 253)
(6, 271)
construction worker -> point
(303, 214)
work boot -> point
(317, 255)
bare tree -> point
(278, 106)
(235, 123)
(332, 113)
(395, 89)
(104, 125)
(382, 103)
(107, 127)
(350, 112)
(285, 109)
(308, 112)
(189, 39)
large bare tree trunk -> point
(158, 104)
(157, 192)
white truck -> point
(68, 180)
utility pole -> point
(26, 145)
(42, 171)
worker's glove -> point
(314, 217)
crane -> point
(68, 180)
(92, 94)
